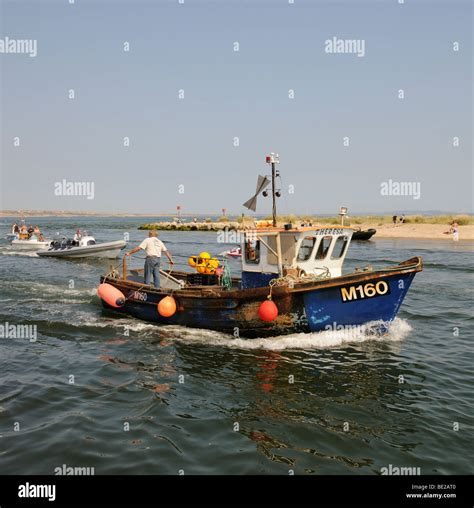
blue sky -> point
(229, 94)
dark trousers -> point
(152, 266)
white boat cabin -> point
(275, 252)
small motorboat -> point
(85, 247)
(236, 252)
(31, 243)
(363, 235)
(23, 238)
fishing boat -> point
(84, 247)
(291, 282)
(360, 234)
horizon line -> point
(12, 213)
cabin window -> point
(339, 247)
(288, 249)
(252, 252)
(272, 244)
(323, 248)
(306, 248)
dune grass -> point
(379, 220)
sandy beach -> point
(406, 231)
(419, 231)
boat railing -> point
(124, 268)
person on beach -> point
(454, 229)
(402, 219)
(153, 248)
(394, 220)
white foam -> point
(398, 330)
(83, 319)
(23, 253)
(50, 289)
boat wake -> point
(8, 251)
(398, 330)
(45, 290)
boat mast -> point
(274, 208)
(274, 159)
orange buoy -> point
(167, 306)
(268, 311)
(111, 295)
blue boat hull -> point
(327, 308)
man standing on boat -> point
(153, 248)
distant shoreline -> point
(58, 213)
(384, 231)
(36, 213)
(416, 226)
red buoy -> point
(111, 295)
(268, 311)
(167, 306)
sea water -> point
(128, 397)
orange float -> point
(167, 306)
(268, 311)
(111, 295)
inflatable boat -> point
(86, 247)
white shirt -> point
(152, 246)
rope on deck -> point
(291, 280)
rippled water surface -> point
(203, 402)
